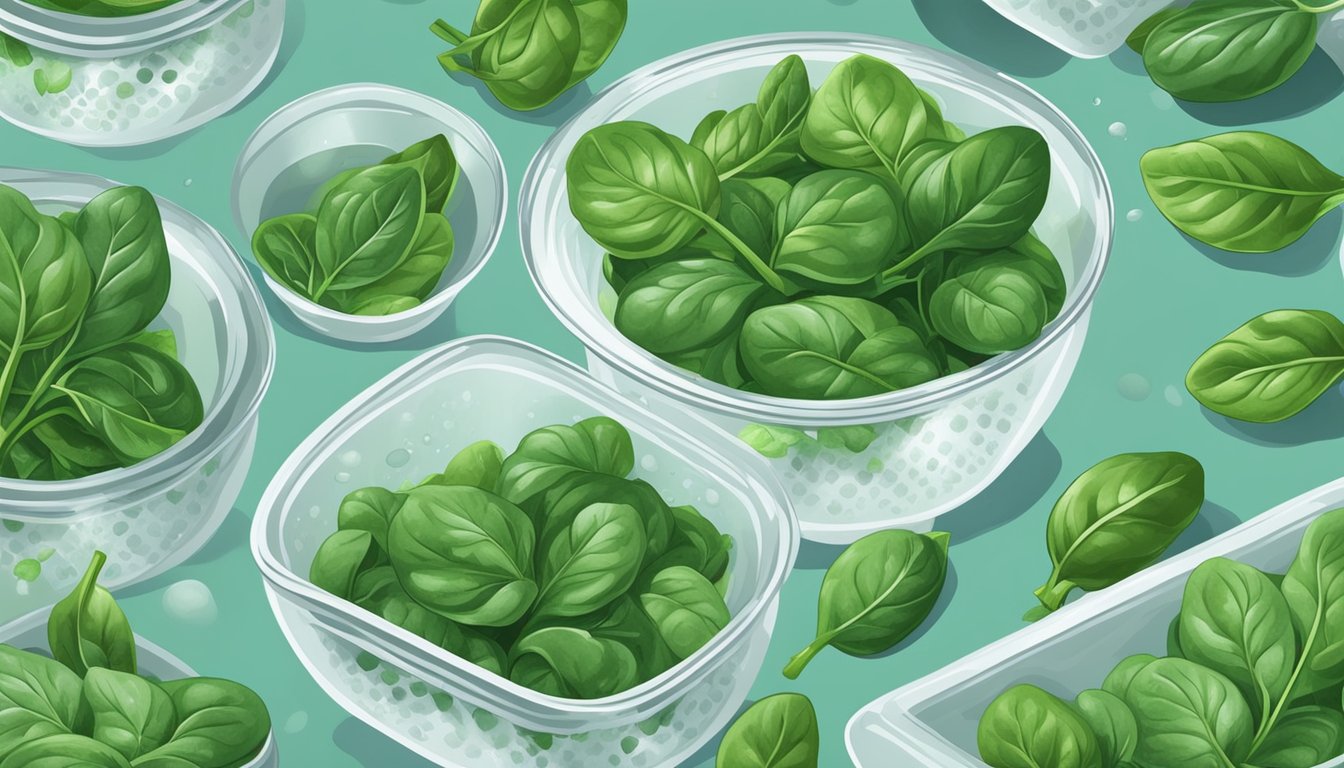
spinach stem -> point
(1321, 8)
(1272, 718)
(801, 659)
(39, 390)
(907, 263)
(447, 32)
(8, 441)
(770, 276)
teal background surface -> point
(1163, 301)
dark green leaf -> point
(549, 455)
(340, 559)
(1026, 727)
(220, 724)
(686, 608)
(1189, 715)
(437, 164)
(777, 731)
(1112, 722)
(837, 228)
(66, 750)
(570, 663)
(88, 629)
(687, 305)
(38, 697)
(367, 226)
(130, 714)
(592, 563)
(989, 308)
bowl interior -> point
(676, 93)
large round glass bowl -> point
(113, 82)
(153, 515)
(938, 444)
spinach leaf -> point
(563, 503)
(778, 731)
(367, 226)
(687, 304)
(340, 559)
(1117, 682)
(867, 115)
(1138, 39)
(771, 441)
(686, 608)
(549, 455)
(470, 644)
(923, 155)
(1112, 723)
(1314, 589)
(1029, 256)
(830, 347)
(1227, 50)
(855, 439)
(989, 308)
(838, 228)
(1272, 367)
(371, 510)
(1210, 188)
(465, 554)
(762, 137)
(1026, 727)
(593, 564)
(1234, 620)
(65, 750)
(626, 623)
(221, 724)
(1304, 737)
(601, 23)
(284, 247)
(88, 629)
(438, 167)
(38, 697)
(1189, 715)
(130, 714)
(410, 282)
(478, 465)
(878, 591)
(1117, 518)
(15, 51)
(984, 194)
(568, 662)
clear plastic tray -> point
(932, 721)
(151, 516)
(307, 142)
(455, 713)
(30, 634)
(136, 79)
(1089, 29)
(938, 444)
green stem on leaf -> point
(801, 659)
(1052, 593)
(770, 276)
(1320, 8)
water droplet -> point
(186, 183)
(1134, 215)
(711, 496)
(648, 464)
(314, 511)
(399, 457)
(351, 458)
(190, 601)
(296, 722)
(1096, 102)
(466, 396)
(1118, 130)
(407, 417)
(1173, 395)
(342, 477)
(1134, 387)
(427, 439)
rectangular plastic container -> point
(932, 721)
(453, 712)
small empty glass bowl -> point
(30, 634)
(113, 82)
(151, 516)
(308, 141)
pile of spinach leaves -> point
(85, 386)
(834, 245)
(1228, 50)
(1252, 679)
(376, 241)
(103, 8)
(548, 566)
(87, 705)
(528, 52)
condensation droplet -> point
(648, 464)
(296, 722)
(398, 458)
(1118, 130)
(351, 458)
(1134, 387)
(342, 477)
(711, 496)
(427, 439)
(187, 183)
(466, 396)
(314, 511)
(1173, 395)
(1096, 102)
(190, 601)
(1134, 215)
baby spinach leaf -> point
(1314, 589)
(88, 629)
(464, 553)
(549, 455)
(1272, 367)
(38, 697)
(984, 194)
(830, 347)
(1304, 737)
(771, 441)
(1210, 188)
(65, 750)
(989, 308)
(561, 505)
(1189, 715)
(878, 591)
(1029, 256)
(340, 559)
(1117, 518)
(601, 23)
(470, 644)
(624, 622)
(284, 247)
(1112, 723)
(374, 586)
(1138, 39)
(593, 564)
(747, 209)
(438, 167)
(44, 279)
(1117, 682)
(778, 731)
(867, 115)
(130, 714)
(1233, 620)
(478, 465)
(572, 664)
(686, 608)
(368, 509)
(720, 362)
(687, 304)
(367, 226)
(923, 155)
(855, 439)
(1227, 50)
(762, 137)
(15, 51)
(837, 227)
(221, 724)
(1026, 727)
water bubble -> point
(1118, 130)
(648, 464)
(191, 602)
(1134, 387)
(296, 722)
(711, 496)
(1096, 102)
(427, 439)
(466, 396)
(398, 458)
(351, 458)
(186, 183)
(407, 417)
(342, 477)
(1134, 215)
(314, 511)
(1173, 395)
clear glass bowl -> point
(30, 634)
(453, 712)
(1085, 28)
(155, 514)
(933, 721)
(310, 140)
(938, 444)
(135, 79)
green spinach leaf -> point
(65, 750)
(1026, 727)
(594, 564)
(837, 228)
(130, 714)
(340, 559)
(38, 697)
(686, 608)
(568, 662)
(549, 455)
(1304, 737)
(686, 305)
(88, 629)
(778, 731)
(1189, 715)
(989, 308)
(1112, 722)
(762, 137)
(220, 724)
